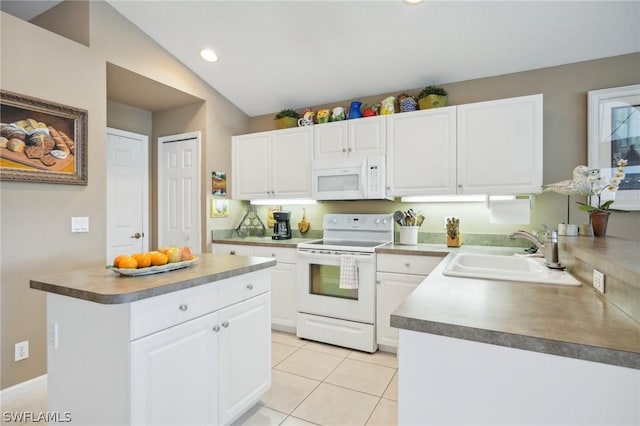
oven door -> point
(318, 286)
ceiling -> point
(27, 10)
(293, 54)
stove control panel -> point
(363, 222)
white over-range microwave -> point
(361, 178)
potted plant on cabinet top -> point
(287, 118)
(432, 97)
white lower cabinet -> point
(205, 371)
(283, 280)
(397, 276)
(201, 355)
(160, 375)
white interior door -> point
(127, 193)
(179, 191)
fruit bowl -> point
(153, 269)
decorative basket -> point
(407, 103)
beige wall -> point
(565, 139)
(35, 218)
(130, 119)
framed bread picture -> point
(42, 141)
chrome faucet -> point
(549, 247)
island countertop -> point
(102, 285)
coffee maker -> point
(281, 226)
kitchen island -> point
(475, 351)
(190, 346)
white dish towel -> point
(348, 272)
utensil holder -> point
(408, 235)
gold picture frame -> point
(42, 141)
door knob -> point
(137, 235)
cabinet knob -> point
(349, 150)
(460, 185)
(216, 328)
(225, 324)
(232, 252)
(344, 150)
(250, 286)
(407, 264)
(183, 307)
(273, 255)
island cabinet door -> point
(245, 355)
(174, 375)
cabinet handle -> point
(216, 328)
(232, 252)
(183, 307)
(225, 324)
(250, 286)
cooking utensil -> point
(398, 216)
(303, 225)
(420, 219)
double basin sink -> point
(506, 268)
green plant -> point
(287, 113)
(432, 90)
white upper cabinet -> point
(275, 164)
(421, 152)
(251, 157)
(350, 138)
(500, 146)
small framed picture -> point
(219, 208)
(218, 183)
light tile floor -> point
(311, 384)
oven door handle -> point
(361, 257)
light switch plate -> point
(80, 224)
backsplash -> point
(475, 225)
(497, 240)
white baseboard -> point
(14, 392)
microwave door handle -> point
(364, 178)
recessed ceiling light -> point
(208, 55)
(413, 1)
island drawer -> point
(243, 287)
(403, 264)
(158, 313)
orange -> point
(127, 262)
(116, 261)
(143, 259)
(158, 259)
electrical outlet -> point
(598, 280)
(22, 350)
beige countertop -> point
(262, 241)
(575, 322)
(102, 285)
